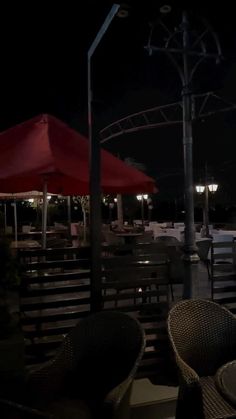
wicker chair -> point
(203, 337)
(92, 373)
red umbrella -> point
(45, 149)
(44, 154)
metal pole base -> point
(191, 283)
(191, 276)
(191, 257)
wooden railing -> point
(55, 294)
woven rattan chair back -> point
(202, 334)
(102, 351)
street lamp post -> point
(177, 46)
(208, 187)
(141, 198)
(95, 169)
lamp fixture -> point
(213, 187)
(166, 8)
(200, 188)
(123, 11)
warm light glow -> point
(49, 197)
(166, 8)
(123, 11)
(213, 187)
(200, 188)
(31, 200)
(115, 199)
(140, 197)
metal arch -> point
(165, 116)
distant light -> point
(213, 187)
(166, 8)
(31, 200)
(115, 199)
(140, 197)
(200, 188)
(49, 197)
(123, 11)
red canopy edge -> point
(45, 148)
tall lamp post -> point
(208, 187)
(94, 172)
(179, 45)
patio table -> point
(226, 381)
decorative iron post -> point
(179, 48)
(206, 204)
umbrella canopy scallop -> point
(46, 149)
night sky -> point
(43, 70)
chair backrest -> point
(222, 238)
(149, 249)
(146, 237)
(222, 249)
(111, 238)
(167, 239)
(203, 247)
(178, 225)
(102, 351)
(203, 334)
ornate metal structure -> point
(187, 49)
(203, 106)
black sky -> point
(43, 70)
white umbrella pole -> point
(44, 216)
(69, 213)
(85, 227)
(5, 217)
(15, 220)
(120, 211)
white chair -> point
(26, 228)
(222, 238)
(137, 222)
(177, 225)
(74, 229)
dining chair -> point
(166, 239)
(203, 338)
(203, 248)
(92, 373)
(147, 237)
(136, 280)
(223, 269)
